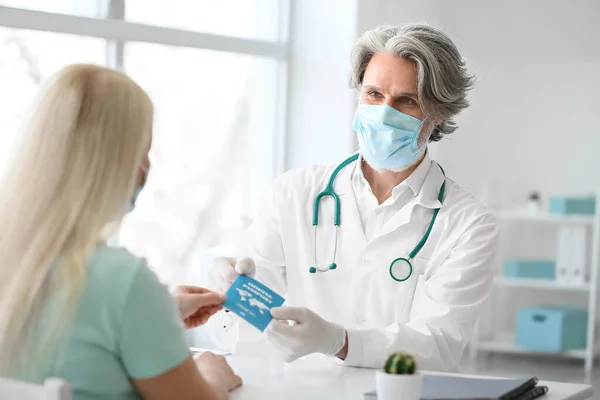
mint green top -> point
(126, 326)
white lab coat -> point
(430, 316)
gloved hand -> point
(226, 270)
(308, 333)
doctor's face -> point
(393, 81)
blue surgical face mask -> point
(138, 190)
(387, 137)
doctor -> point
(406, 262)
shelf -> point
(541, 284)
(505, 343)
(545, 217)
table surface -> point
(323, 379)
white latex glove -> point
(308, 333)
(226, 270)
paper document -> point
(200, 350)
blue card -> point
(252, 301)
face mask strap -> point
(428, 137)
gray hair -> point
(442, 76)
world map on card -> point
(252, 301)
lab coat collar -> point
(343, 181)
(425, 181)
(428, 196)
(414, 181)
(428, 178)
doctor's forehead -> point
(391, 74)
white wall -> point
(372, 13)
(320, 104)
(321, 107)
(534, 122)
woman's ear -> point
(143, 170)
(141, 177)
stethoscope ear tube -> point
(315, 267)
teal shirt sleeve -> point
(152, 335)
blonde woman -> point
(71, 307)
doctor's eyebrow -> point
(369, 88)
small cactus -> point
(400, 364)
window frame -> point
(116, 30)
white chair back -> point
(52, 389)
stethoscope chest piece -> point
(401, 269)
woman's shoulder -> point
(115, 259)
(115, 269)
(117, 280)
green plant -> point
(400, 364)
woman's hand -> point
(217, 372)
(197, 305)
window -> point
(216, 80)
(27, 58)
(211, 107)
(252, 19)
(87, 8)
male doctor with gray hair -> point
(382, 252)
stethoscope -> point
(328, 191)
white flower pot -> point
(394, 387)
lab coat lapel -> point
(401, 218)
(428, 196)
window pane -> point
(84, 8)
(213, 141)
(27, 58)
(256, 19)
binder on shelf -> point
(578, 266)
(563, 254)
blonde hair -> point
(83, 143)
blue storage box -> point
(572, 205)
(532, 269)
(552, 328)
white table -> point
(266, 379)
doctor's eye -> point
(407, 101)
(374, 94)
